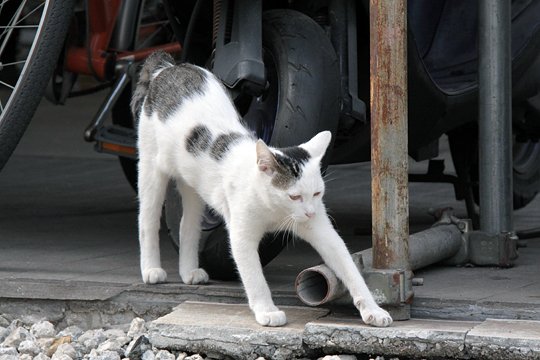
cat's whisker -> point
(283, 229)
(326, 181)
(330, 176)
(295, 230)
(332, 218)
(289, 233)
(328, 173)
(292, 231)
(283, 224)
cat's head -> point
(293, 176)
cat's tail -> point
(156, 61)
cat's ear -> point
(316, 147)
(265, 159)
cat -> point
(190, 131)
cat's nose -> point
(310, 214)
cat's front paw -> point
(196, 276)
(154, 276)
(376, 316)
(271, 318)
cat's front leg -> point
(320, 233)
(372, 313)
(244, 246)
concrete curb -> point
(426, 338)
(505, 339)
(231, 330)
(490, 339)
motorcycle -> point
(293, 68)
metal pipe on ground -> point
(319, 285)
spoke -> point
(13, 21)
(31, 12)
(15, 17)
(12, 63)
(19, 27)
(1, 107)
(7, 85)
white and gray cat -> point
(190, 131)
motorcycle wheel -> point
(302, 99)
(44, 24)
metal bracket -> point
(479, 247)
(495, 250)
(391, 289)
(462, 255)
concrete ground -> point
(68, 232)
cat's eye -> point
(317, 194)
(295, 197)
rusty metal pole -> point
(389, 161)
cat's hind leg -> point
(190, 234)
(320, 233)
(151, 187)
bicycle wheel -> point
(36, 29)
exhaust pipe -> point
(319, 285)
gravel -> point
(43, 341)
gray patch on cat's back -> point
(222, 144)
(290, 164)
(172, 86)
(198, 140)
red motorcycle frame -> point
(98, 58)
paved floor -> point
(68, 231)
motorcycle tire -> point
(302, 99)
(31, 80)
